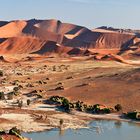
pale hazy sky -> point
(90, 13)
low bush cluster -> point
(135, 115)
(81, 106)
(13, 131)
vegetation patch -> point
(135, 115)
(12, 132)
(81, 106)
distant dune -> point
(12, 29)
(32, 36)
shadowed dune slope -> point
(51, 47)
(2, 23)
(100, 40)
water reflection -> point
(118, 124)
(61, 132)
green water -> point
(99, 130)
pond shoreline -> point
(111, 116)
(98, 129)
(27, 122)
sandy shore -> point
(112, 116)
(85, 81)
(34, 122)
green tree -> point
(28, 102)
(1, 73)
(61, 122)
(2, 96)
(65, 104)
(10, 95)
(16, 89)
(1, 138)
(20, 104)
(15, 130)
(118, 107)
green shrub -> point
(1, 138)
(15, 82)
(2, 96)
(133, 115)
(28, 102)
(61, 122)
(118, 107)
(65, 104)
(1, 73)
(16, 132)
(106, 110)
(20, 104)
(16, 89)
(10, 95)
(79, 105)
(14, 129)
(2, 132)
(138, 116)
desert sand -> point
(103, 82)
(48, 58)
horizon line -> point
(107, 26)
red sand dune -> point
(32, 36)
(12, 29)
(120, 59)
(22, 44)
